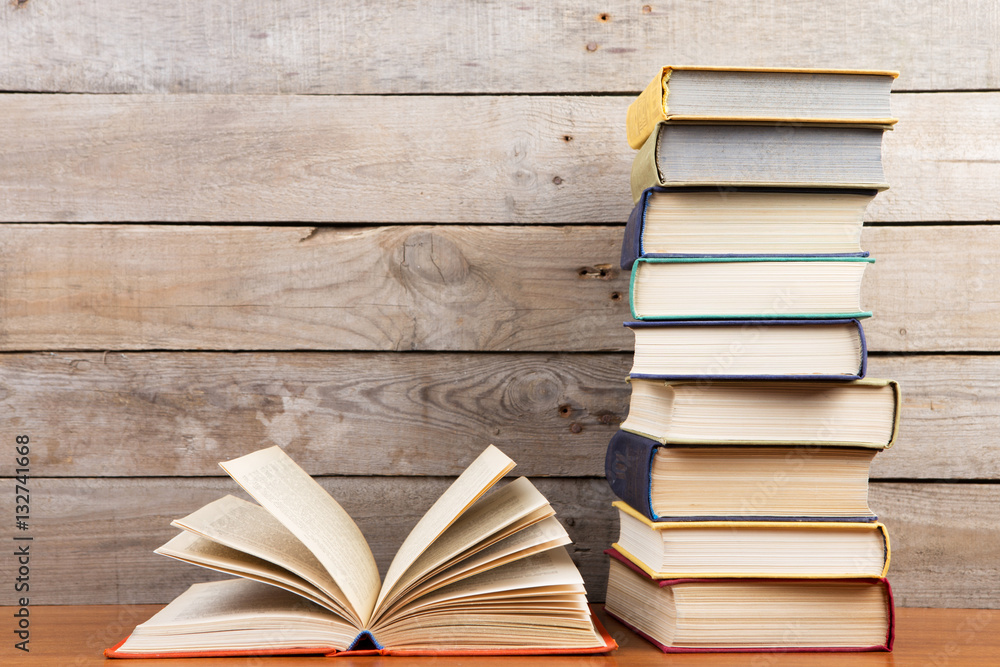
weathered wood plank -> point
(480, 288)
(928, 168)
(359, 159)
(179, 414)
(433, 47)
(378, 288)
(945, 542)
(950, 423)
(98, 534)
(933, 288)
(163, 414)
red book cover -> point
(886, 646)
(608, 645)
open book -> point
(476, 574)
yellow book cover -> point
(763, 99)
(716, 531)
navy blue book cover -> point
(632, 244)
(628, 465)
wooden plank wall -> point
(384, 236)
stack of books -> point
(742, 467)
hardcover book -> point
(722, 288)
(760, 94)
(745, 222)
(809, 156)
(736, 549)
(749, 350)
(739, 483)
(863, 413)
(478, 574)
(774, 615)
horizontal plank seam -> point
(513, 475)
(311, 350)
(341, 226)
(556, 93)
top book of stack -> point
(761, 95)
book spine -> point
(644, 111)
(632, 242)
(863, 370)
(627, 465)
(895, 419)
(645, 173)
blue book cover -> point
(628, 466)
(633, 246)
(742, 325)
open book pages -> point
(477, 573)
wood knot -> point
(434, 259)
(591, 46)
(596, 272)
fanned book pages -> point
(478, 574)
(761, 94)
(700, 614)
(809, 156)
(720, 288)
(728, 549)
(739, 222)
(739, 483)
(749, 350)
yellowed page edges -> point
(872, 382)
(680, 525)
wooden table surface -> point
(74, 636)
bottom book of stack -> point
(681, 615)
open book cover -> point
(717, 214)
(479, 574)
(839, 615)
